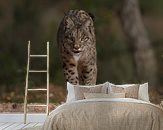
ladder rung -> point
(38, 89)
(46, 105)
(38, 55)
(36, 105)
(38, 71)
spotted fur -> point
(77, 43)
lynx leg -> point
(88, 75)
(70, 73)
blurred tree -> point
(140, 44)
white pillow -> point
(143, 90)
(103, 95)
(71, 92)
(121, 86)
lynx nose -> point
(77, 46)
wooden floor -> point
(17, 126)
(14, 121)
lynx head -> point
(78, 31)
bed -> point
(103, 113)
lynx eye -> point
(84, 39)
(70, 38)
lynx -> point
(77, 43)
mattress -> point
(105, 114)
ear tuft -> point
(92, 16)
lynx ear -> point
(92, 16)
(88, 22)
(68, 22)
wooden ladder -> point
(36, 89)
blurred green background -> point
(38, 21)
